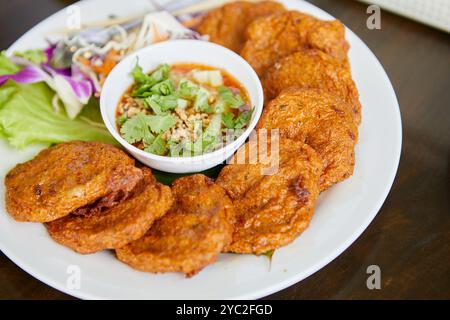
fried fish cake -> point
(271, 38)
(322, 121)
(190, 236)
(66, 177)
(226, 25)
(312, 68)
(118, 225)
(273, 207)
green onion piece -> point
(122, 119)
(163, 88)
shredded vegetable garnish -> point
(97, 59)
(75, 66)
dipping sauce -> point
(183, 110)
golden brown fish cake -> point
(272, 210)
(312, 68)
(274, 37)
(66, 177)
(226, 25)
(190, 236)
(322, 121)
(116, 226)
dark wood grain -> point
(410, 237)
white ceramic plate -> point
(341, 215)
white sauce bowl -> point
(173, 52)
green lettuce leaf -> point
(6, 65)
(27, 115)
(36, 56)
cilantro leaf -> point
(242, 119)
(167, 102)
(160, 104)
(138, 128)
(231, 100)
(142, 91)
(187, 89)
(146, 82)
(148, 140)
(158, 146)
(135, 129)
(138, 74)
(160, 123)
(154, 105)
(227, 120)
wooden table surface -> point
(410, 237)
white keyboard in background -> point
(435, 13)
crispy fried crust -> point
(320, 120)
(226, 25)
(190, 236)
(312, 68)
(66, 177)
(271, 209)
(116, 226)
(274, 37)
